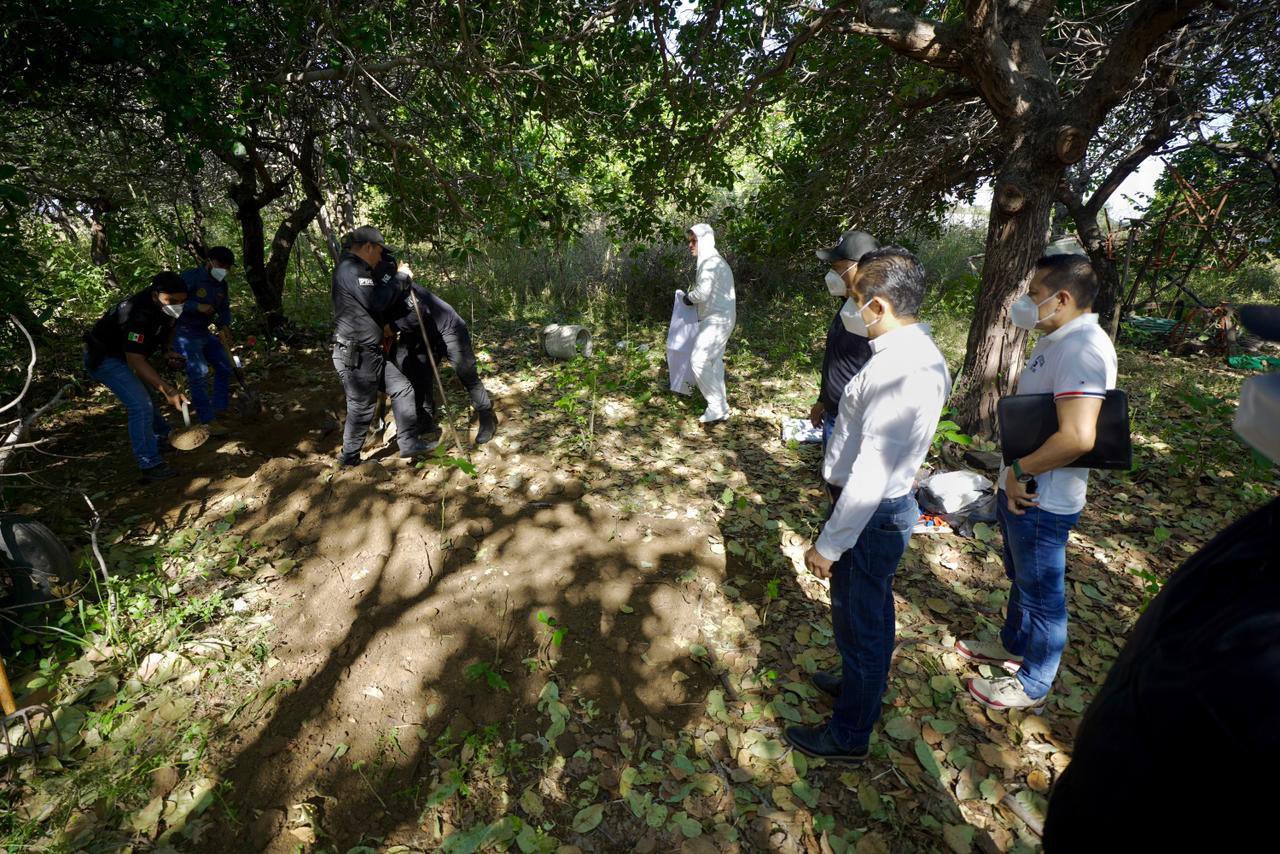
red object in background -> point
(251, 340)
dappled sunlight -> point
(602, 591)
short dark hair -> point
(168, 282)
(222, 255)
(1071, 273)
(894, 275)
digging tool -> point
(25, 724)
(248, 401)
(435, 372)
(189, 437)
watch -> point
(1018, 473)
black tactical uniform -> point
(449, 339)
(362, 298)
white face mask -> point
(835, 284)
(218, 273)
(1258, 417)
(172, 309)
(1025, 312)
(851, 317)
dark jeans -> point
(202, 351)
(361, 382)
(1035, 560)
(146, 425)
(828, 425)
(862, 617)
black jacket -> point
(363, 300)
(846, 354)
(136, 325)
(443, 322)
(1189, 713)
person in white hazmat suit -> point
(713, 295)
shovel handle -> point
(186, 415)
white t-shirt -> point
(1077, 360)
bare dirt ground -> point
(592, 642)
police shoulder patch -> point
(136, 337)
(202, 293)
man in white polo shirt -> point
(1076, 362)
(885, 423)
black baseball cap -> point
(853, 244)
(168, 282)
(1262, 320)
(367, 234)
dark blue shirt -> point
(203, 289)
(846, 354)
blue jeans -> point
(146, 425)
(862, 618)
(828, 424)
(1035, 560)
(202, 350)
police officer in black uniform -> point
(365, 287)
(450, 339)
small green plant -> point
(484, 670)
(1151, 585)
(949, 431)
(557, 631)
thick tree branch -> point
(1114, 76)
(922, 39)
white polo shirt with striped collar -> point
(1077, 360)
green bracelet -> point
(1017, 471)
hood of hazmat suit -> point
(712, 291)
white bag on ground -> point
(954, 490)
(680, 339)
(800, 430)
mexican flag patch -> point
(135, 337)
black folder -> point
(1028, 420)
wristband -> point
(1018, 473)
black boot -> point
(488, 426)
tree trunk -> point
(282, 244)
(252, 240)
(1095, 243)
(1017, 232)
(99, 245)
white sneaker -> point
(1004, 693)
(709, 417)
(988, 652)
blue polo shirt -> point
(203, 289)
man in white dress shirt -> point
(886, 421)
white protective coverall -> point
(714, 297)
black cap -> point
(1262, 320)
(367, 234)
(853, 244)
(168, 282)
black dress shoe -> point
(816, 741)
(827, 684)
